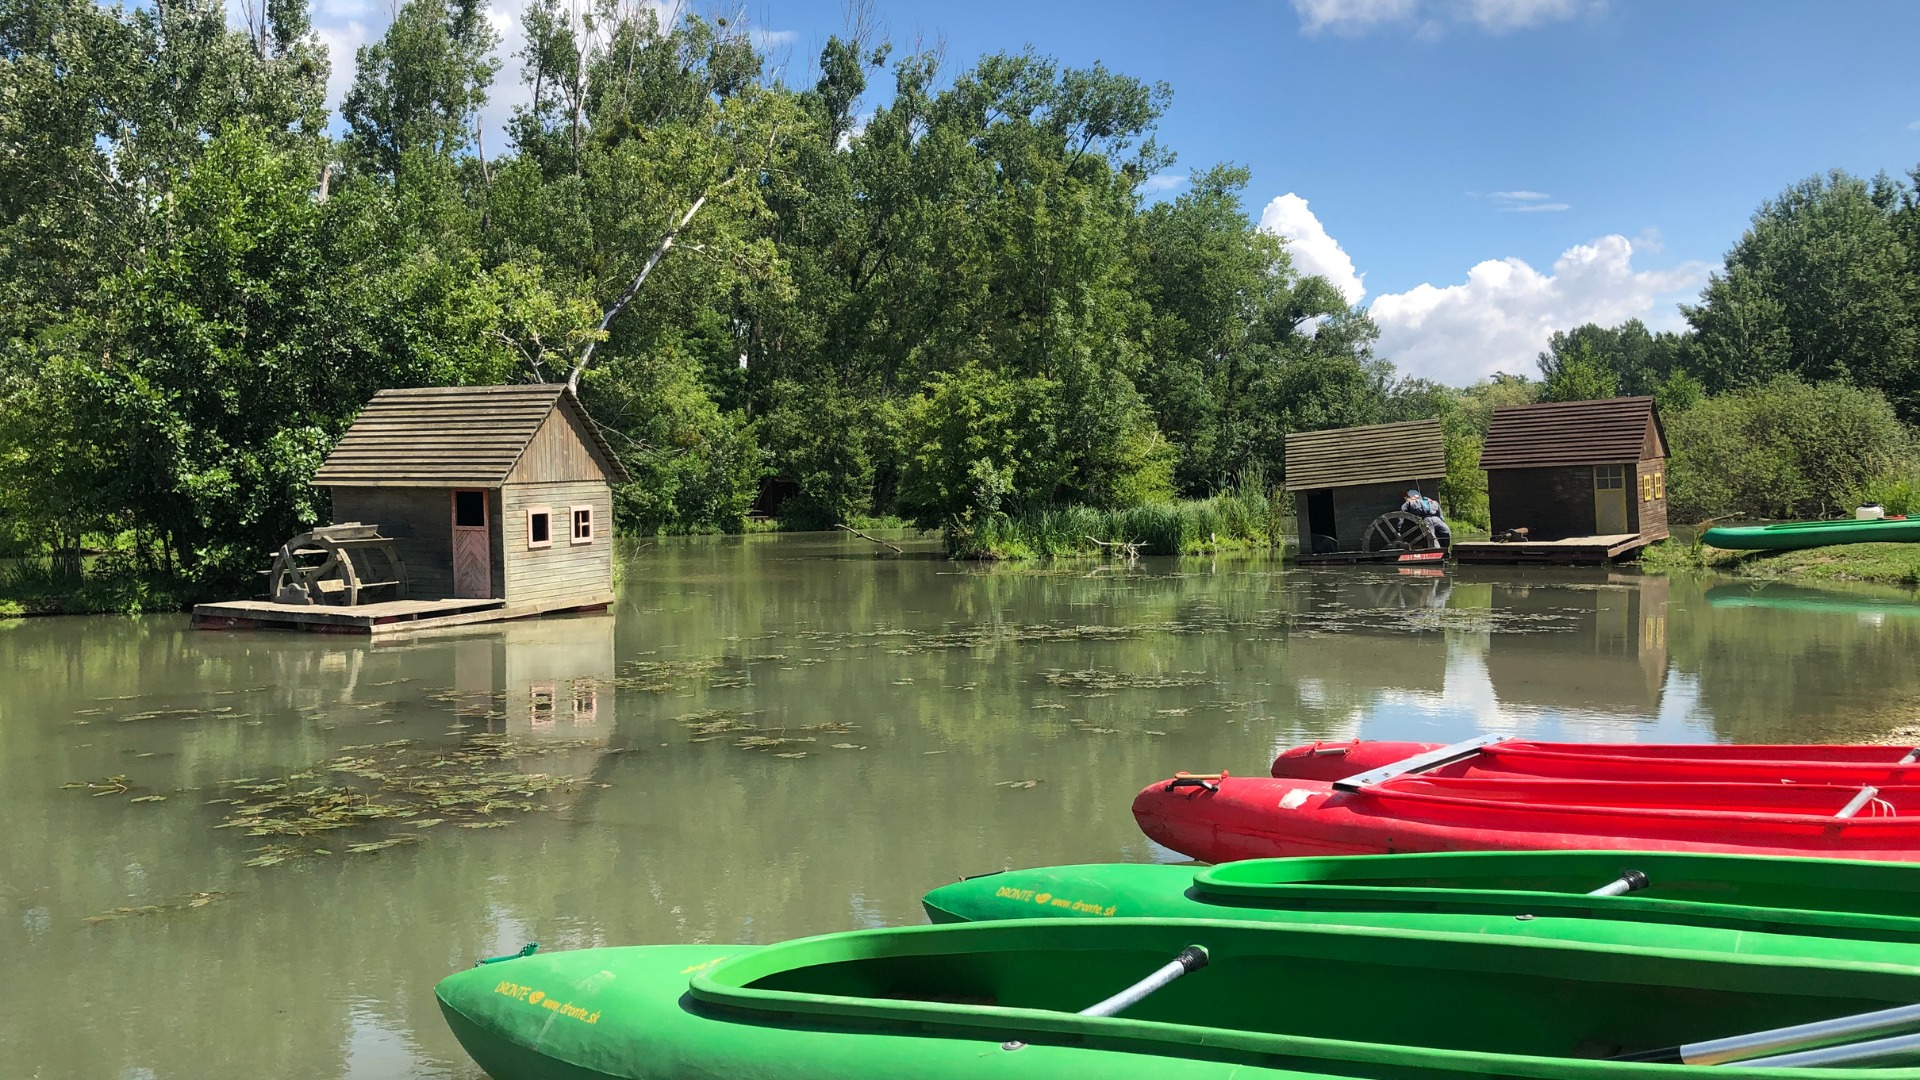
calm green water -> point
(926, 688)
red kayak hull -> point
(1262, 817)
(1693, 762)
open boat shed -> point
(1343, 479)
(495, 502)
(1585, 480)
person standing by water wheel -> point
(1428, 510)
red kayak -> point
(1406, 807)
(1697, 762)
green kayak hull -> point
(1004, 1000)
(1818, 908)
(1789, 535)
(1802, 600)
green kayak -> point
(1018, 999)
(1829, 909)
(1789, 535)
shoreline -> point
(1884, 564)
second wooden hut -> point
(1573, 481)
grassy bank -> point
(35, 588)
(1891, 564)
(1194, 526)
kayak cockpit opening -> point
(1265, 986)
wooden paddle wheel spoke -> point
(334, 565)
(1398, 530)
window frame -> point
(539, 511)
(573, 524)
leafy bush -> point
(821, 439)
(1240, 518)
(1897, 493)
(694, 467)
(1784, 449)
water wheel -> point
(1399, 531)
(345, 564)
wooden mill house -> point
(1345, 479)
(1573, 481)
(495, 502)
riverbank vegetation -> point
(894, 286)
(1889, 564)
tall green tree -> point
(420, 88)
(1822, 287)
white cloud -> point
(1313, 251)
(1525, 202)
(1915, 126)
(1163, 181)
(1500, 317)
(1498, 16)
(1431, 16)
(1351, 16)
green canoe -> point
(1819, 908)
(1006, 1000)
(1805, 534)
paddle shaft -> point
(1191, 958)
(1631, 881)
(1798, 1037)
(1865, 1053)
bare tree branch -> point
(620, 305)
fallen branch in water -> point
(1131, 549)
(875, 539)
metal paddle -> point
(1752, 1049)
(1191, 958)
(1630, 881)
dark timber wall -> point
(1649, 497)
(1355, 507)
(420, 520)
(1551, 504)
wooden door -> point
(472, 546)
(1609, 499)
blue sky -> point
(1479, 172)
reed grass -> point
(1240, 519)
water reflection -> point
(774, 736)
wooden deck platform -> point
(391, 618)
(1350, 558)
(1583, 550)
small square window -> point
(470, 509)
(540, 527)
(541, 698)
(582, 524)
(1659, 485)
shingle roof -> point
(1604, 432)
(452, 436)
(1375, 454)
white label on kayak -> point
(1295, 798)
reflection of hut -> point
(497, 500)
(548, 677)
(1613, 661)
(1344, 480)
(1585, 481)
